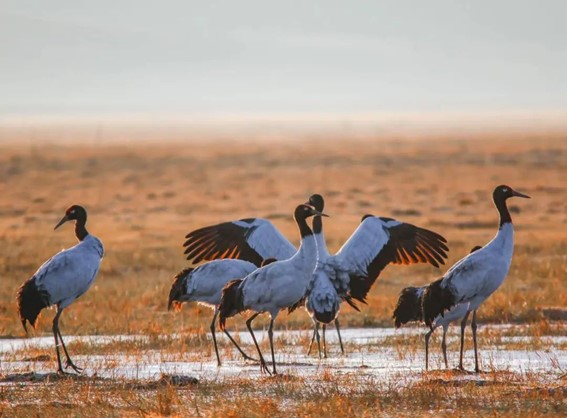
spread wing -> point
(378, 242)
(252, 239)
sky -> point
(259, 56)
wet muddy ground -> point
(377, 353)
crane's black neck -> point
(304, 229)
(500, 203)
(80, 230)
(317, 225)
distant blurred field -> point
(144, 197)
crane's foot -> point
(247, 357)
(264, 368)
(70, 364)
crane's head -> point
(504, 192)
(305, 211)
(317, 201)
(75, 212)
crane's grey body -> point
(282, 283)
(204, 284)
(477, 276)
(70, 273)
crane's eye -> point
(505, 190)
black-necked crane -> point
(353, 270)
(204, 285)
(275, 286)
(376, 243)
(473, 279)
(408, 309)
(254, 239)
(62, 279)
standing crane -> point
(409, 309)
(275, 286)
(473, 279)
(61, 280)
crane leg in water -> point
(263, 366)
(59, 338)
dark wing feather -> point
(348, 299)
(378, 242)
(298, 304)
(225, 240)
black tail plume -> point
(435, 301)
(359, 288)
(30, 303)
(408, 307)
(231, 301)
(178, 288)
(348, 299)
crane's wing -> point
(378, 242)
(252, 239)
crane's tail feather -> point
(408, 307)
(31, 301)
(436, 301)
(348, 299)
(232, 301)
(178, 289)
(359, 288)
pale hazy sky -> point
(79, 56)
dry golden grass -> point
(323, 394)
(143, 198)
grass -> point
(143, 199)
(323, 394)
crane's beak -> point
(317, 213)
(518, 194)
(61, 222)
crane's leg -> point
(271, 335)
(263, 367)
(313, 336)
(56, 336)
(444, 345)
(246, 356)
(324, 341)
(427, 336)
(463, 326)
(473, 326)
(339, 334)
(318, 338)
(214, 336)
(68, 362)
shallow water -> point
(365, 357)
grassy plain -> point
(143, 197)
